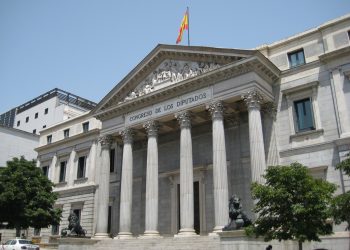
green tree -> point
(26, 197)
(341, 203)
(291, 205)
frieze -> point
(170, 72)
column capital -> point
(151, 127)
(184, 119)
(216, 110)
(105, 141)
(127, 135)
(270, 109)
(252, 99)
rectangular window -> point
(34, 131)
(349, 34)
(66, 133)
(77, 212)
(27, 119)
(62, 176)
(46, 111)
(85, 127)
(296, 58)
(18, 123)
(111, 160)
(81, 167)
(55, 229)
(304, 116)
(45, 170)
(36, 115)
(36, 231)
(44, 126)
(49, 139)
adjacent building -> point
(190, 126)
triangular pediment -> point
(168, 65)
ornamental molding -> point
(168, 73)
(253, 99)
(270, 109)
(127, 135)
(184, 119)
(105, 141)
(152, 128)
(216, 109)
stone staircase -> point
(169, 243)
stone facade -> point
(176, 141)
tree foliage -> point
(26, 197)
(341, 203)
(291, 205)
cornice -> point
(67, 140)
(258, 64)
(336, 54)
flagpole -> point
(188, 30)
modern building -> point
(190, 126)
(15, 143)
(45, 110)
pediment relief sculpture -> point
(168, 73)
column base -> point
(101, 236)
(124, 236)
(186, 232)
(216, 230)
(150, 234)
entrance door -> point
(196, 207)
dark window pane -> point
(85, 127)
(77, 212)
(49, 139)
(81, 167)
(296, 58)
(111, 160)
(66, 133)
(62, 171)
(45, 170)
(304, 115)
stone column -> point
(71, 167)
(151, 225)
(103, 189)
(219, 167)
(126, 186)
(52, 168)
(341, 106)
(253, 100)
(186, 176)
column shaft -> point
(186, 176)
(151, 220)
(219, 167)
(103, 190)
(253, 100)
(126, 186)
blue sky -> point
(86, 47)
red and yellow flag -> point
(184, 26)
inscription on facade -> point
(170, 106)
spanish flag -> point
(184, 26)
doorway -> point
(196, 208)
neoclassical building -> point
(190, 126)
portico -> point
(171, 113)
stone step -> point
(171, 243)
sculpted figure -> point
(237, 216)
(74, 227)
